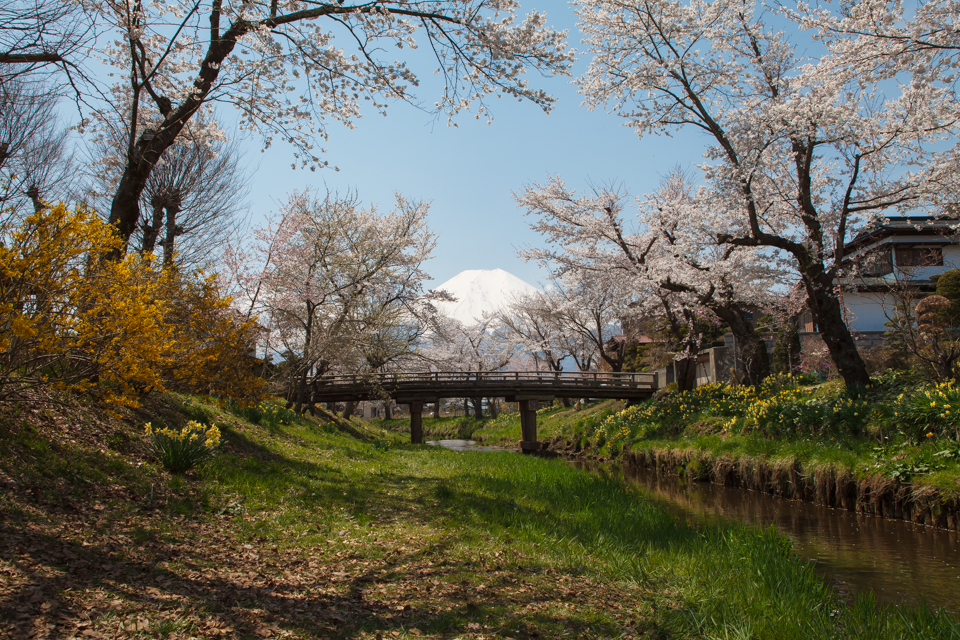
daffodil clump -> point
(265, 414)
(930, 412)
(273, 416)
(184, 449)
(799, 411)
(652, 419)
(779, 405)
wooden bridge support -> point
(528, 426)
(416, 422)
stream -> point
(900, 561)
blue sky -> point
(470, 172)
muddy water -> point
(899, 561)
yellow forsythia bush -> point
(123, 328)
(210, 342)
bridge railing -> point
(565, 378)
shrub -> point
(120, 329)
(186, 449)
(210, 347)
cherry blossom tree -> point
(804, 148)
(288, 67)
(733, 282)
(531, 322)
(664, 266)
(480, 347)
(886, 38)
(592, 308)
(320, 273)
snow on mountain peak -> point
(481, 290)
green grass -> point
(545, 517)
(310, 532)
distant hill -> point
(480, 290)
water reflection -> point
(462, 445)
(899, 561)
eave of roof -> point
(906, 226)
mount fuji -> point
(481, 290)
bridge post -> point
(416, 422)
(528, 426)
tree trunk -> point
(828, 312)
(301, 391)
(387, 411)
(173, 230)
(152, 231)
(686, 367)
(493, 408)
(349, 408)
(436, 409)
(308, 336)
(751, 350)
(34, 194)
(686, 373)
(614, 359)
(477, 407)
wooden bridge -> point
(528, 388)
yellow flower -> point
(930, 435)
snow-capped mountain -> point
(481, 290)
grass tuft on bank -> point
(317, 529)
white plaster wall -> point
(865, 311)
(951, 257)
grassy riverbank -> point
(303, 530)
(902, 432)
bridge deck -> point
(428, 386)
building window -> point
(878, 262)
(919, 257)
